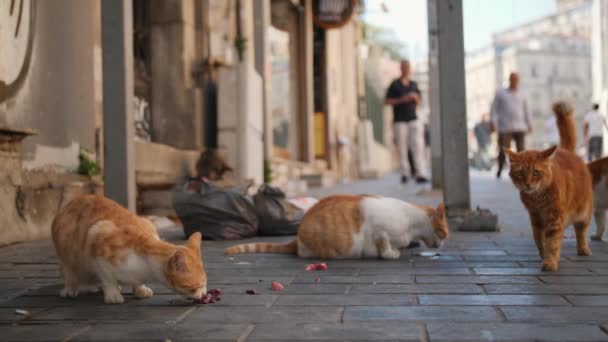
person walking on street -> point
(482, 131)
(404, 95)
(594, 132)
(510, 116)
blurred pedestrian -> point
(510, 116)
(594, 133)
(404, 95)
(483, 130)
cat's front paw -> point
(68, 293)
(143, 291)
(585, 251)
(596, 237)
(113, 297)
(391, 254)
(550, 266)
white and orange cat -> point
(359, 226)
(102, 245)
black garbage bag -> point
(276, 216)
(218, 213)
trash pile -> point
(221, 209)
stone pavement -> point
(481, 287)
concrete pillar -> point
(240, 108)
(434, 117)
(176, 99)
(118, 130)
(262, 21)
(306, 96)
(452, 102)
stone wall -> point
(50, 85)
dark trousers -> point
(595, 149)
(410, 159)
(504, 140)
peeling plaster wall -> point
(57, 94)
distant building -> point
(553, 57)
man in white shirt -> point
(509, 115)
(594, 132)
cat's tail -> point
(290, 247)
(564, 115)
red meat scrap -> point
(276, 286)
(317, 267)
(251, 292)
(210, 297)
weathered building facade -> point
(262, 81)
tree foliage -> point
(386, 39)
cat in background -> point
(102, 244)
(359, 226)
(555, 187)
(599, 175)
(598, 168)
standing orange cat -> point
(359, 226)
(555, 187)
(101, 244)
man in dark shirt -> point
(403, 94)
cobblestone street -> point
(481, 287)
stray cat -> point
(101, 244)
(359, 226)
(599, 174)
(555, 188)
(598, 168)
(211, 165)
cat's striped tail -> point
(290, 247)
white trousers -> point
(409, 135)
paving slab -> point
(414, 271)
(422, 313)
(363, 279)
(575, 279)
(514, 332)
(588, 300)
(41, 332)
(530, 314)
(417, 288)
(163, 332)
(476, 279)
(249, 314)
(345, 300)
(531, 271)
(465, 264)
(564, 289)
(112, 313)
(548, 300)
(348, 331)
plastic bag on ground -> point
(218, 213)
(276, 215)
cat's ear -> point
(548, 153)
(194, 241)
(440, 211)
(177, 262)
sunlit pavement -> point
(481, 287)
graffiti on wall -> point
(16, 37)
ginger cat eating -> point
(359, 226)
(101, 244)
(555, 188)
